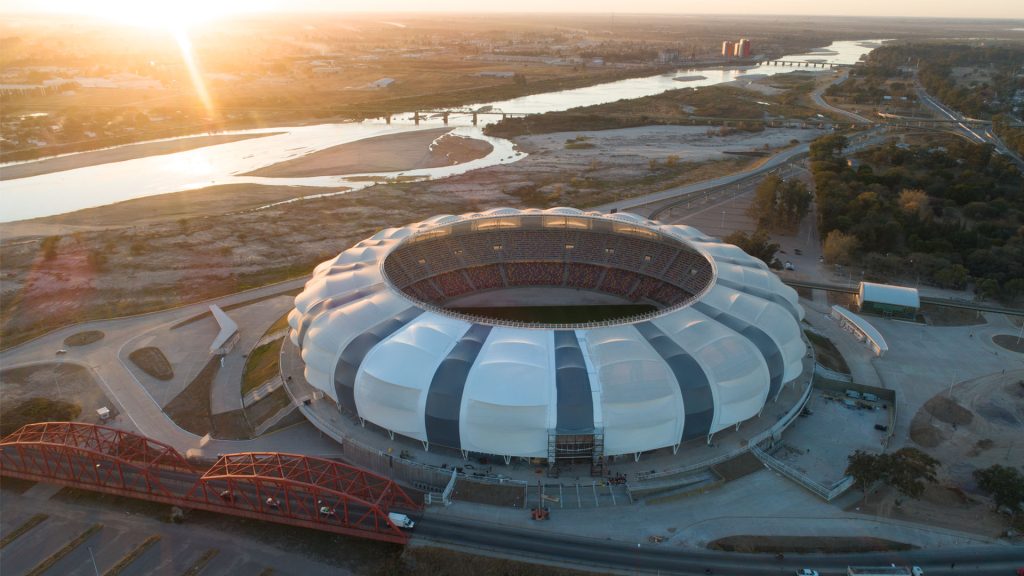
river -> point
(70, 190)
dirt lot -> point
(57, 380)
(804, 544)
(981, 425)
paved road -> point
(107, 360)
(770, 164)
(979, 136)
(816, 96)
(651, 558)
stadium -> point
(547, 334)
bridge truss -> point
(284, 488)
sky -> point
(1009, 9)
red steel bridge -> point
(285, 488)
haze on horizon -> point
(982, 9)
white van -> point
(401, 520)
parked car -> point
(853, 394)
(806, 572)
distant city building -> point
(740, 49)
(743, 48)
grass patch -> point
(279, 324)
(560, 314)
(495, 495)
(190, 409)
(153, 362)
(25, 527)
(84, 338)
(149, 509)
(1010, 342)
(745, 107)
(15, 485)
(37, 410)
(807, 544)
(132, 556)
(262, 364)
(947, 316)
(430, 561)
(579, 143)
(45, 565)
(826, 353)
(231, 425)
(201, 563)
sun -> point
(167, 14)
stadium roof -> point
(490, 387)
(889, 294)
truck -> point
(891, 570)
(401, 520)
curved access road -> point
(770, 164)
(626, 557)
(819, 101)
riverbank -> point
(209, 201)
(186, 251)
(430, 148)
(119, 154)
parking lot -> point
(819, 443)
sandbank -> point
(390, 153)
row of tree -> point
(947, 215)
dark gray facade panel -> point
(760, 339)
(357, 349)
(698, 401)
(308, 318)
(444, 397)
(575, 408)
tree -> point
(757, 245)
(914, 202)
(762, 208)
(828, 147)
(839, 247)
(49, 246)
(954, 276)
(1004, 483)
(866, 469)
(908, 469)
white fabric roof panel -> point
(333, 329)
(494, 389)
(641, 404)
(737, 370)
(770, 317)
(508, 400)
(889, 294)
(393, 380)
